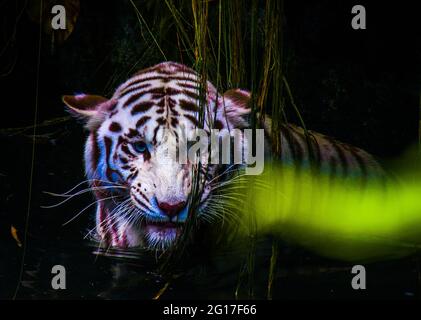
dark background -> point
(361, 86)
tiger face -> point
(142, 189)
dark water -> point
(99, 274)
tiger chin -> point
(142, 192)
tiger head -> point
(142, 189)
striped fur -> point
(324, 154)
(131, 135)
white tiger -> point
(142, 191)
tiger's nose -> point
(171, 209)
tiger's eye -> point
(140, 146)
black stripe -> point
(133, 175)
(155, 92)
(285, 133)
(132, 133)
(316, 151)
(184, 78)
(143, 196)
(164, 76)
(188, 85)
(171, 102)
(121, 140)
(134, 97)
(161, 121)
(142, 121)
(174, 122)
(161, 103)
(360, 160)
(155, 132)
(142, 107)
(138, 81)
(188, 106)
(340, 152)
(158, 90)
(127, 151)
(130, 89)
(299, 138)
(191, 94)
(171, 91)
(192, 119)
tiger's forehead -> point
(165, 75)
(159, 100)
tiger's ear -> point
(237, 107)
(85, 105)
(91, 108)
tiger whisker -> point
(87, 207)
(218, 206)
(70, 196)
(88, 181)
(228, 170)
(229, 182)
